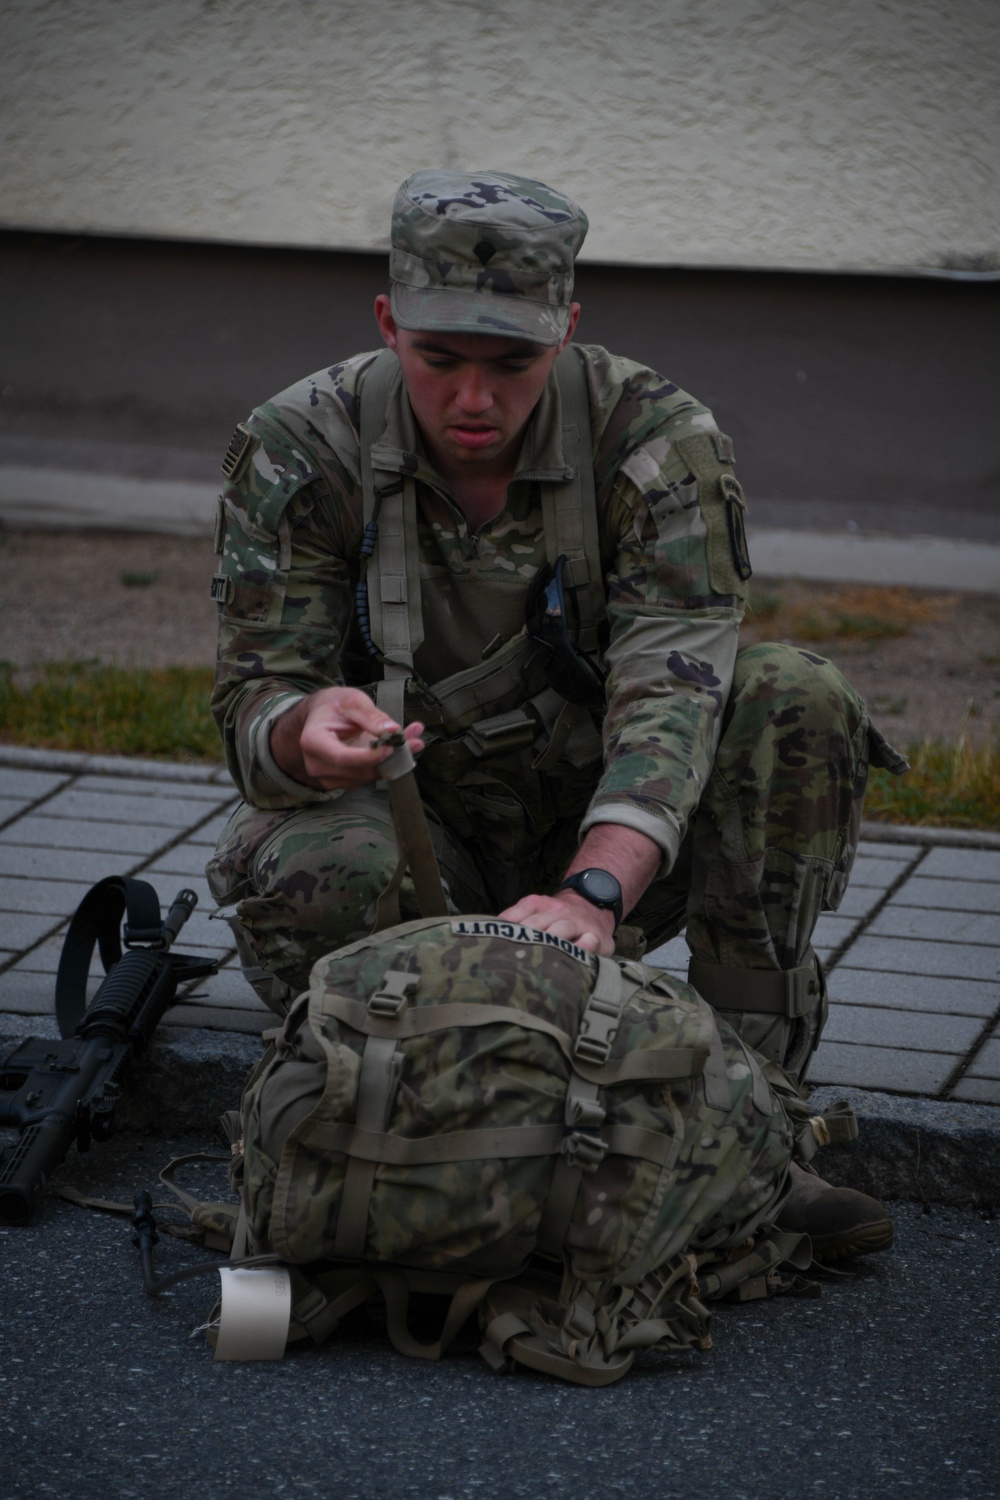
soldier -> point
(530, 557)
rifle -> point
(58, 1092)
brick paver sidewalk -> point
(913, 954)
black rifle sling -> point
(97, 921)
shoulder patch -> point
(723, 506)
(241, 446)
(735, 506)
(723, 446)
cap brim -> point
(436, 309)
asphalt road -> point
(885, 1385)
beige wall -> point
(809, 133)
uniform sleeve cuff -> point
(663, 829)
(268, 784)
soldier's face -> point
(472, 394)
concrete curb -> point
(929, 1150)
(80, 763)
(949, 838)
(920, 1149)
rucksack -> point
(576, 1146)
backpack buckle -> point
(387, 1002)
(585, 1150)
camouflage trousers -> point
(770, 847)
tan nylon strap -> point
(662, 1064)
(376, 1086)
(433, 1150)
(780, 1247)
(396, 1291)
(838, 1124)
(762, 1096)
(241, 1234)
(583, 1148)
(778, 992)
(490, 1144)
(431, 1018)
(657, 1065)
(718, 1089)
(394, 582)
(412, 834)
(569, 716)
(569, 511)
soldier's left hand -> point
(567, 915)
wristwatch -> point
(599, 887)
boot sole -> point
(865, 1239)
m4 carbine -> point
(58, 1092)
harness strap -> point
(394, 585)
(412, 835)
(381, 1067)
(778, 992)
(569, 511)
(569, 514)
(583, 1146)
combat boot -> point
(840, 1221)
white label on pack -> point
(256, 1312)
(514, 932)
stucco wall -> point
(862, 133)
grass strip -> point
(163, 713)
(947, 786)
(158, 712)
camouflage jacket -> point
(672, 553)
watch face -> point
(600, 886)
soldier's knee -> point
(774, 680)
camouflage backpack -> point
(576, 1146)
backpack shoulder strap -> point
(391, 510)
(570, 510)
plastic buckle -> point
(593, 1049)
(387, 1002)
(801, 988)
(584, 1114)
(585, 1150)
(503, 735)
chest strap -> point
(394, 585)
(569, 516)
(569, 511)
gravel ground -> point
(68, 595)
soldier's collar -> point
(542, 457)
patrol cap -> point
(483, 252)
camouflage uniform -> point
(746, 768)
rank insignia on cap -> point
(735, 506)
(241, 445)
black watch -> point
(599, 887)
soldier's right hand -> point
(325, 740)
